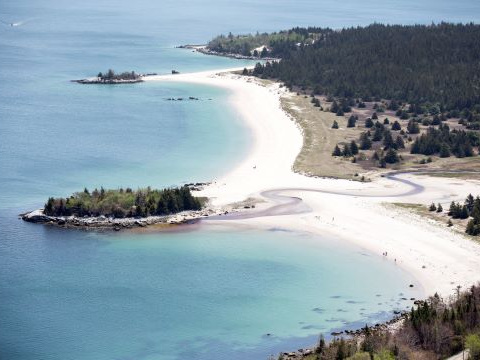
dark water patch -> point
(354, 302)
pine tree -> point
(368, 123)
(335, 124)
(334, 107)
(399, 142)
(388, 142)
(470, 202)
(365, 142)
(378, 134)
(337, 151)
(396, 126)
(353, 147)
(391, 156)
(472, 228)
(351, 121)
(346, 151)
(444, 151)
(413, 127)
(432, 207)
(439, 208)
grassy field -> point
(319, 139)
(315, 158)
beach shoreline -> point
(439, 258)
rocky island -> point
(120, 209)
(110, 77)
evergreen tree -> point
(264, 52)
(365, 142)
(388, 142)
(353, 147)
(396, 126)
(444, 151)
(368, 123)
(378, 134)
(337, 151)
(432, 207)
(351, 121)
(346, 151)
(470, 202)
(334, 107)
(413, 127)
(399, 143)
(391, 156)
(335, 124)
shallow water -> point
(208, 294)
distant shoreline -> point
(204, 50)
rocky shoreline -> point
(101, 81)
(110, 223)
(204, 50)
(358, 335)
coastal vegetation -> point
(469, 210)
(123, 203)
(412, 101)
(111, 75)
(266, 45)
(432, 68)
(434, 329)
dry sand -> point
(439, 258)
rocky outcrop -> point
(206, 51)
(108, 82)
(103, 222)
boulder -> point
(37, 216)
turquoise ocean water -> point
(205, 294)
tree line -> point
(435, 65)
(124, 203)
(111, 75)
(444, 142)
(274, 45)
(470, 208)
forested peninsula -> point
(421, 65)
(408, 96)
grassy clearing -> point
(319, 139)
(442, 218)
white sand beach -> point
(438, 257)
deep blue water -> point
(206, 294)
